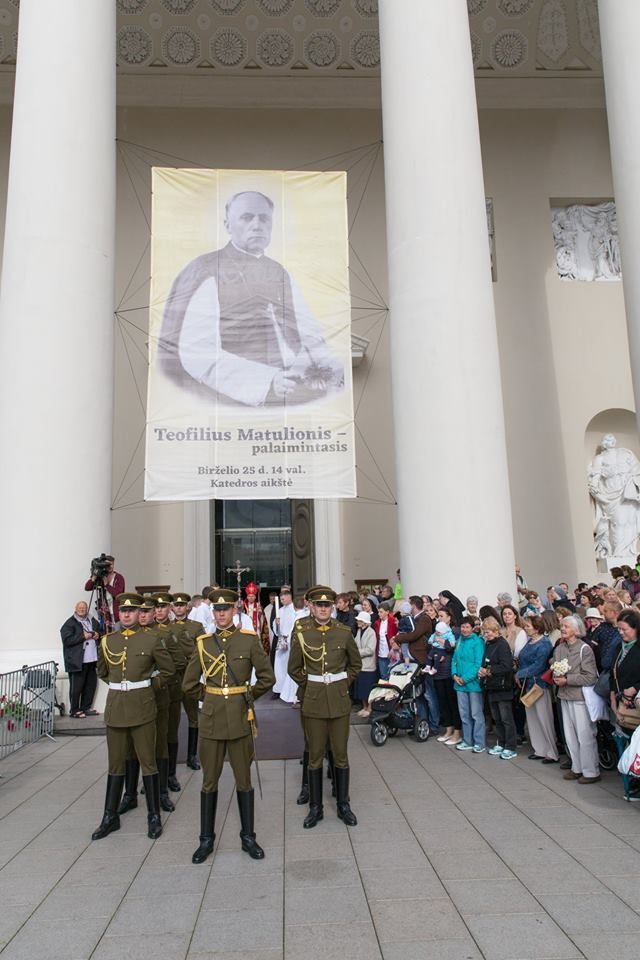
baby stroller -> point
(607, 747)
(397, 704)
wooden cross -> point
(238, 570)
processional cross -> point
(238, 570)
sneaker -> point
(477, 749)
(589, 779)
(496, 751)
(508, 754)
(572, 776)
(463, 746)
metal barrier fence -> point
(27, 701)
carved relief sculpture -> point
(586, 241)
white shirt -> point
(248, 381)
(287, 620)
(243, 621)
(383, 646)
(202, 614)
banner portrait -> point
(249, 391)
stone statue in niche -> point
(614, 485)
(586, 241)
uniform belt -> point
(227, 691)
(154, 673)
(130, 685)
(327, 677)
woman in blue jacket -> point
(533, 662)
(465, 667)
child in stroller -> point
(398, 704)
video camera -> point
(100, 567)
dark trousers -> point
(82, 687)
(502, 713)
(449, 715)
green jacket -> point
(141, 653)
(317, 649)
(225, 717)
(186, 633)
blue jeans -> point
(471, 707)
(433, 704)
(383, 667)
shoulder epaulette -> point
(252, 633)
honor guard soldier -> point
(324, 660)
(127, 659)
(187, 631)
(164, 623)
(219, 674)
(147, 624)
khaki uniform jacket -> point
(145, 653)
(186, 633)
(171, 643)
(225, 718)
(327, 649)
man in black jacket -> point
(79, 635)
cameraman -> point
(113, 584)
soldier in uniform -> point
(127, 659)
(219, 674)
(187, 631)
(164, 623)
(147, 623)
(324, 660)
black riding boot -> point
(331, 772)
(192, 749)
(152, 796)
(173, 781)
(110, 819)
(345, 813)
(316, 813)
(166, 803)
(247, 834)
(130, 797)
(303, 796)
(208, 803)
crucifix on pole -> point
(238, 570)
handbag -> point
(629, 763)
(531, 696)
(627, 716)
(547, 676)
(603, 684)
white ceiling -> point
(171, 50)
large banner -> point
(250, 393)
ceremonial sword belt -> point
(327, 677)
(226, 691)
(130, 685)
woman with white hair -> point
(574, 666)
(471, 609)
(366, 643)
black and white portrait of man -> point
(236, 323)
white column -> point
(327, 520)
(197, 544)
(56, 320)
(620, 33)
(453, 488)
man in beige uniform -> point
(127, 659)
(324, 660)
(219, 674)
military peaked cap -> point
(320, 594)
(128, 601)
(222, 597)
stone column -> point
(620, 33)
(56, 320)
(454, 507)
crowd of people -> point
(541, 668)
(546, 671)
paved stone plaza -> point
(456, 857)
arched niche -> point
(622, 423)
